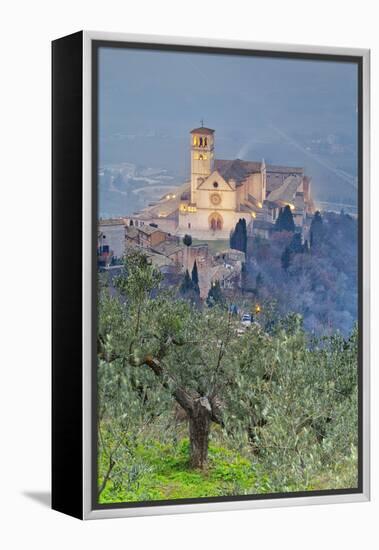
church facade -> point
(220, 192)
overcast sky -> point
(260, 107)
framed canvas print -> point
(210, 275)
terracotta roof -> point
(237, 169)
(202, 130)
(148, 229)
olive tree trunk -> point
(199, 419)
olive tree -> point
(276, 390)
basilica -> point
(220, 192)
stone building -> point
(220, 192)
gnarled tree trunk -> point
(199, 419)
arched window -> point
(205, 141)
(195, 140)
(200, 142)
(201, 157)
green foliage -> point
(286, 405)
(321, 283)
(165, 474)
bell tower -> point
(202, 157)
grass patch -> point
(165, 474)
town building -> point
(110, 240)
(144, 236)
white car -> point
(246, 319)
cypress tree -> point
(195, 278)
(287, 223)
(187, 284)
(195, 275)
(316, 230)
(286, 258)
(215, 295)
(238, 237)
(296, 245)
(243, 235)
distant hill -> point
(126, 188)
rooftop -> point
(284, 169)
(202, 130)
(131, 231)
(167, 248)
(149, 230)
(286, 191)
(237, 169)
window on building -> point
(189, 226)
(215, 184)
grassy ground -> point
(168, 475)
(160, 471)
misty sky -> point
(260, 108)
